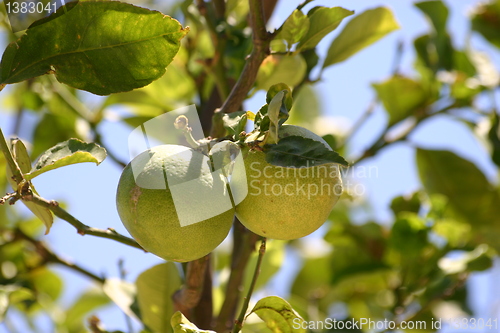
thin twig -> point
(57, 260)
(84, 113)
(50, 257)
(239, 322)
(438, 297)
(396, 66)
(78, 107)
(359, 123)
(80, 227)
(381, 142)
(16, 128)
(123, 275)
(302, 5)
(98, 140)
(371, 107)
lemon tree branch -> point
(81, 228)
(382, 141)
(261, 40)
(50, 257)
(188, 297)
(243, 245)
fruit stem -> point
(239, 322)
(181, 123)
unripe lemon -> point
(287, 203)
(173, 188)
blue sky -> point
(89, 191)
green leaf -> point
(181, 324)
(456, 233)
(439, 41)
(51, 130)
(358, 252)
(469, 193)
(437, 12)
(294, 28)
(11, 295)
(436, 52)
(306, 106)
(480, 259)
(311, 58)
(88, 301)
(331, 140)
(401, 96)
(46, 282)
(361, 31)
(278, 315)
(271, 264)
(173, 88)
(123, 294)
(44, 214)
(315, 274)
(463, 63)
(408, 234)
(494, 137)
(485, 20)
(275, 69)
(20, 154)
(296, 151)
(235, 122)
(261, 122)
(66, 153)
(275, 89)
(155, 288)
(322, 20)
(406, 204)
(99, 46)
(465, 186)
(278, 109)
(274, 111)
(4, 299)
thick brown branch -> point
(220, 8)
(188, 297)
(203, 311)
(243, 246)
(269, 6)
(261, 39)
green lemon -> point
(172, 204)
(287, 203)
